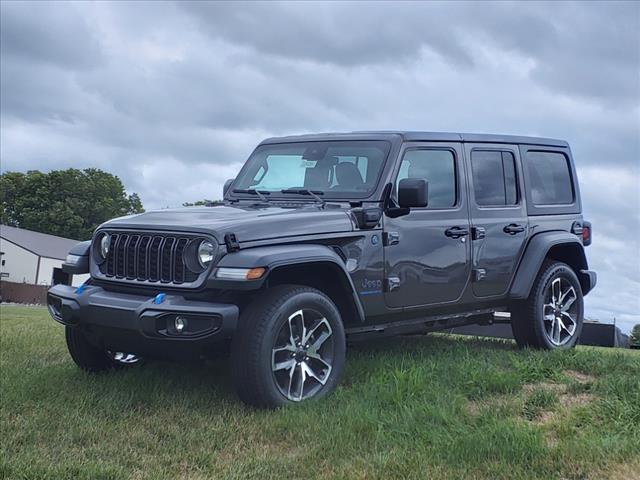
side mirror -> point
(227, 184)
(413, 192)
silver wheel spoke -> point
(292, 337)
(565, 306)
(570, 290)
(309, 371)
(555, 291)
(573, 325)
(303, 379)
(290, 381)
(318, 343)
(321, 323)
(285, 365)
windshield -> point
(342, 169)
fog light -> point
(180, 324)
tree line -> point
(68, 203)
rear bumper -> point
(139, 324)
(588, 280)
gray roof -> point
(423, 136)
(41, 244)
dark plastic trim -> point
(276, 256)
(534, 255)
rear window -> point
(549, 178)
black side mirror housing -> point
(413, 192)
(227, 184)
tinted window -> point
(549, 178)
(337, 169)
(438, 168)
(494, 178)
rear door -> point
(498, 215)
(427, 251)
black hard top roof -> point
(420, 136)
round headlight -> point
(105, 244)
(206, 253)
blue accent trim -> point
(371, 292)
(159, 298)
(81, 289)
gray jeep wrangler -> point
(324, 238)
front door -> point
(427, 251)
(498, 216)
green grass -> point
(415, 407)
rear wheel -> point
(289, 347)
(552, 316)
(94, 359)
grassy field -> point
(416, 407)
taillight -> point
(582, 230)
(586, 234)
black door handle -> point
(456, 232)
(513, 228)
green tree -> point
(69, 203)
(634, 338)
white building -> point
(30, 257)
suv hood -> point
(248, 223)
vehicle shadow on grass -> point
(201, 385)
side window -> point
(494, 178)
(549, 178)
(438, 167)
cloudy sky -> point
(173, 97)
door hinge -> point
(478, 233)
(393, 283)
(390, 238)
(479, 274)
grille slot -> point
(149, 258)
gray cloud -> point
(165, 93)
(67, 41)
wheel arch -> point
(316, 266)
(560, 246)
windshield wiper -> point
(252, 191)
(306, 191)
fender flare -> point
(534, 255)
(77, 262)
(275, 256)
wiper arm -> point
(306, 191)
(253, 191)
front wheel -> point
(93, 359)
(552, 316)
(289, 347)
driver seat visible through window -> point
(348, 177)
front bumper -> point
(140, 324)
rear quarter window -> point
(549, 178)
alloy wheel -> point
(560, 312)
(303, 354)
(123, 358)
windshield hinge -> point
(231, 242)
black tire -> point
(530, 320)
(94, 359)
(262, 327)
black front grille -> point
(149, 257)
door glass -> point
(494, 178)
(438, 168)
